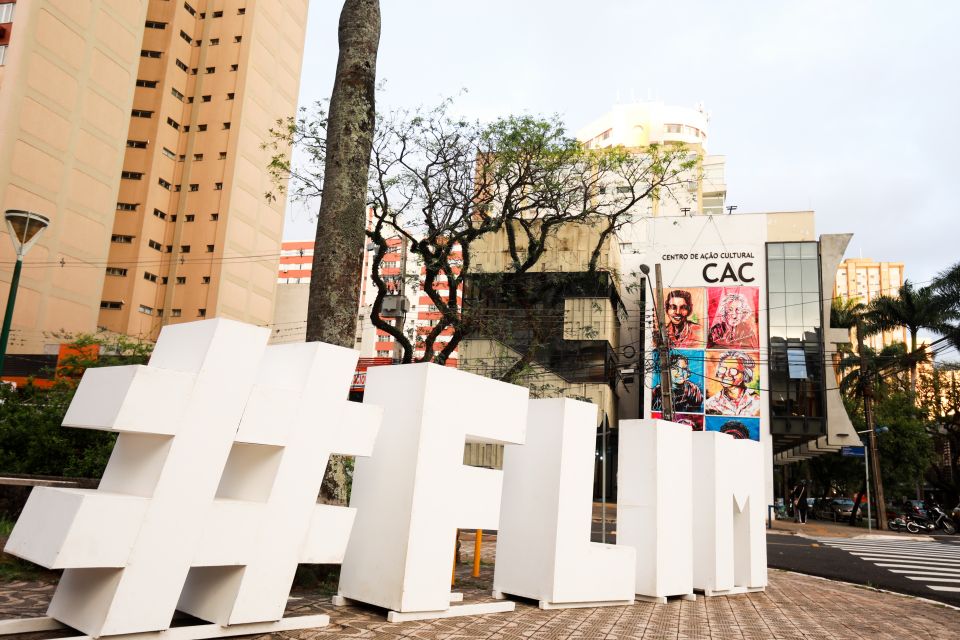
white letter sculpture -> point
(729, 541)
(543, 545)
(208, 502)
(414, 492)
(654, 505)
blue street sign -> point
(853, 452)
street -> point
(926, 569)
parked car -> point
(836, 509)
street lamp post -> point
(25, 228)
(663, 349)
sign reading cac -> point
(728, 273)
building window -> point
(131, 175)
(218, 14)
(237, 38)
(160, 214)
(189, 9)
(193, 71)
(173, 218)
(153, 244)
(169, 249)
(198, 156)
(218, 186)
(206, 98)
(111, 304)
(149, 84)
(3, 53)
(201, 127)
(184, 248)
(173, 123)
(195, 187)
(189, 217)
(230, 96)
(126, 206)
(186, 128)
(141, 113)
(176, 313)
(163, 183)
(152, 277)
(226, 125)
(205, 280)
(181, 279)
(202, 313)
(214, 217)
(121, 239)
(144, 309)
(211, 69)
(186, 38)
(153, 24)
(117, 271)
(137, 144)
(209, 248)
(214, 42)
(241, 11)
(176, 94)
(183, 67)
(223, 155)
(168, 153)
(147, 53)
(234, 67)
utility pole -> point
(663, 349)
(867, 384)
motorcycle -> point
(940, 519)
(910, 523)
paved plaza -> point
(793, 606)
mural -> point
(684, 317)
(714, 335)
(686, 373)
(733, 318)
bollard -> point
(476, 553)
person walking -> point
(800, 502)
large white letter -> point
(414, 492)
(543, 545)
(729, 541)
(654, 505)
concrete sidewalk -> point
(793, 606)
(824, 529)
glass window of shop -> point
(794, 316)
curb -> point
(871, 588)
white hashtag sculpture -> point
(209, 500)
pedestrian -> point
(800, 502)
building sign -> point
(714, 336)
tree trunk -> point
(338, 252)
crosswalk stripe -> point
(929, 579)
(929, 563)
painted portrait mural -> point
(714, 339)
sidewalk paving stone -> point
(793, 606)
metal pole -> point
(477, 542)
(603, 480)
(866, 469)
(867, 383)
(666, 380)
(8, 316)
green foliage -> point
(32, 440)
(906, 450)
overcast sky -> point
(847, 108)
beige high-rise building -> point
(194, 236)
(136, 127)
(865, 279)
(67, 72)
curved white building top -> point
(644, 123)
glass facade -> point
(796, 353)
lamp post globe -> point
(25, 228)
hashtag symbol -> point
(209, 501)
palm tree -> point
(913, 308)
(947, 288)
(851, 381)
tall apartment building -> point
(193, 235)
(639, 125)
(865, 279)
(67, 73)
